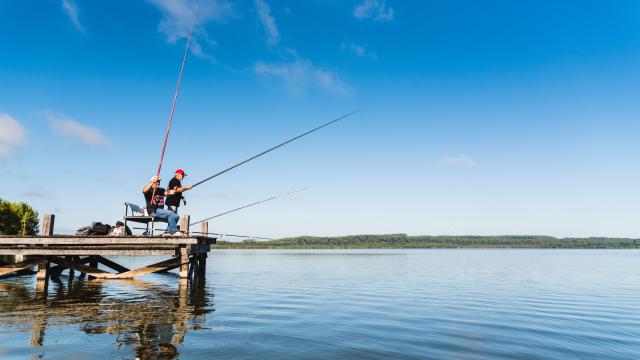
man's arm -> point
(148, 186)
(182, 188)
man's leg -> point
(170, 217)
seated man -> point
(154, 196)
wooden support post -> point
(71, 271)
(185, 221)
(48, 221)
(93, 263)
(203, 264)
(42, 277)
(204, 228)
(202, 258)
(183, 255)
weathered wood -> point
(93, 263)
(8, 269)
(48, 221)
(91, 251)
(161, 266)
(183, 255)
(203, 263)
(97, 273)
(185, 221)
(204, 228)
(96, 240)
(111, 264)
(43, 270)
(199, 249)
(56, 253)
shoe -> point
(179, 233)
(167, 234)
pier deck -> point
(54, 254)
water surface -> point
(373, 304)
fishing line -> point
(273, 148)
(249, 205)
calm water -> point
(327, 304)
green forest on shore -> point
(403, 241)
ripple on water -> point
(420, 304)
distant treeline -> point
(426, 242)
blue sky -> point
(494, 117)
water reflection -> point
(146, 319)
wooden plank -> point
(202, 258)
(8, 269)
(48, 221)
(185, 221)
(96, 240)
(206, 240)
(97, 273)
(111, 264)
(43, 270)
(204, 228)
(161, 266)
(199, 249)
(102, 252)
(182, 253)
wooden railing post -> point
(202, 258)
(185, 221)
(42, 277)
(204, 228)
(48, 221)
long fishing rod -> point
(232, 235)
(175, 97)
(248, 205)
(273, 148)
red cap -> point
(180, 171)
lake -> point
(335, 304)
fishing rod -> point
(273, 148)
(239, 236)
(249, 205)
(175, 97)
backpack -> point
(96, 228)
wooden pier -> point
(53, 254)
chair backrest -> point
(135, 209)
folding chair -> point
(139, 215)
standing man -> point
(175, 191)
(154, 196)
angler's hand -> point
(188, 187)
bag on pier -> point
(96, 228)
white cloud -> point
(376, 10)
(71, 9)
(179, 14)
(299, 75)
(11, 135)
(358, 50)
(269, 23)
(460, 161)
(68, 127)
